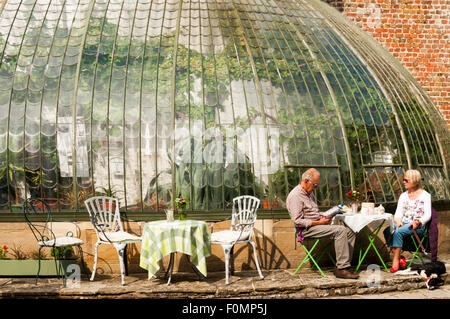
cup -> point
(169, 214)
(368, 208)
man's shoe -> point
(345, 274)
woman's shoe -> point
(402, 262)
(392, 270)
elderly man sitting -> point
(305, 214)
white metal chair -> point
(105, 217)
(243, 218)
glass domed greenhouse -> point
(207, 99)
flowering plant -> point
(180, 203)
(353, 195)
(3, 251)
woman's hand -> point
(416, 224)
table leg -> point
(371, 236)
(199, 274)
(170, 268)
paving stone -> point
(244, 284)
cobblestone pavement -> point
(442, 293)
(277, 284)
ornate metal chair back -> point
(244, 213)
(39, 218)
(104, 214)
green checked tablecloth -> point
(163, 237)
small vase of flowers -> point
(353, 196)
(180, 204)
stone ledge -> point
(244, 284)
(277, 284)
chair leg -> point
(232, 261)
(39, 264)
(309, 256)
(95, 261)
(82, 261)
(226, 250)
(62, 270)
(120, 250)
(416, 254)
(256, 260)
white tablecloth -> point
(356, 222)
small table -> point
(357, 222)
(160, 238)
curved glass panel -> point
(205, 99)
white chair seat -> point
(62, 242)
(119, 236)
(228, 236)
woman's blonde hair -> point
(414, 176)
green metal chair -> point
(414, 246)
(309, 253)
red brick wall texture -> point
(416, 32)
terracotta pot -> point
(51, 202)
(266, 204)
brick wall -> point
(416, 32)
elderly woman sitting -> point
(413, 209)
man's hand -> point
(322, 221)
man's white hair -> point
(309, 174)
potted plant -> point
(267, 204)
(108, 192)
(69, 200)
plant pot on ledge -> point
(266, 204)
(51, 202)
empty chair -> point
(243, 218)
(105, 217)
(39, 218)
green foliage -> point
(109, 191)
(62, 252)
